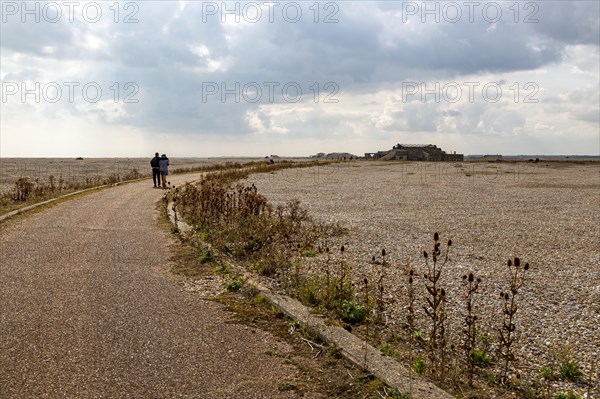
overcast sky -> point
(191, 78)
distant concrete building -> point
(415, 152)
(335, 155)
(492, 157)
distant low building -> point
(335, 155)
(491, 157)
(415, 152)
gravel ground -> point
(547, 214)
(88, 309)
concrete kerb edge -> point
(51, 200)
(350, 346)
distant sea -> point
(536, 156)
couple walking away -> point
(160, 170)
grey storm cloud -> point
(369, 49)
(576, 22)
(451, 113)
(352, 53)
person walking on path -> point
(163, 166)
(155, 170)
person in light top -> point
(163, 167)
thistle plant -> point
(470, 324)
(366, 299)
(436, 300)
(380, 289)
(342, 280)
(327, 278)
(410, 315)
(507, 332)
(344, 287)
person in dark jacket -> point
(155, 170)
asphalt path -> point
(88, 309)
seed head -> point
(517, 262)
(373, 258)
(471, 278)
(449, 243)
(436, 236)
(425, 254)
(366, 280)
(464, 277)
(383, 252)
(410, 280)
(411, 272)
(526, 267)
(342, 249)
(509, 263)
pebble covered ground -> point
(545, 213)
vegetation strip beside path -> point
(350, 346)
(61, 197)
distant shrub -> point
(309, 253)
(353, 312)
(570, 370)
(419, 365)
(23, 189)
(234, 284)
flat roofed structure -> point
(415, 152)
